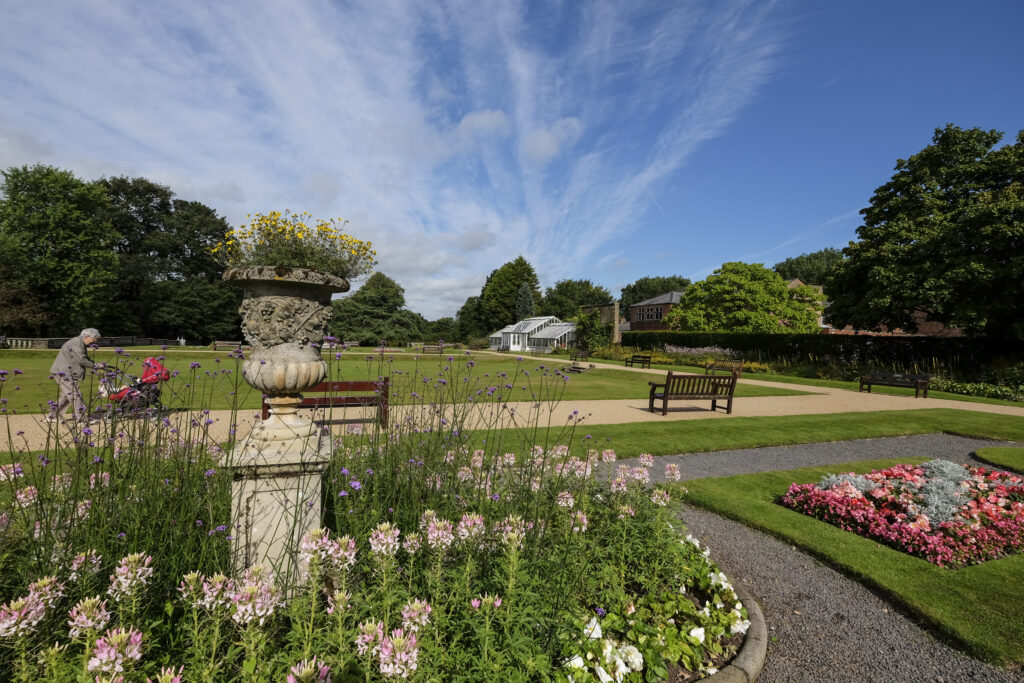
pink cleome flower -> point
(398, 654)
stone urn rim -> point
(242, 276)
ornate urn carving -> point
(283, 311)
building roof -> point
(669, 298)
(527, 325)
(554, 331)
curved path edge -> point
(746, 666)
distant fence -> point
(57, 342)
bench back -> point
(897, 377)
(699, 385)
(337, 394)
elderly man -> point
(69, 369)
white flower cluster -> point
(617, 660)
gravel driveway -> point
(823, 626)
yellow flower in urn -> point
(285, 239)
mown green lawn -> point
(727, 433)
(977, 608)
(1004, 457)
(210, 385)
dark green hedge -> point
(961, 353)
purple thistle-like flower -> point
(355, 485)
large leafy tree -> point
(813, 268)
(567, 296)
(166, 268)
(469, 321)
(746, 297)
(945, 236)
(501, 292)
(59, 229)
(376, 311)
(650, 287)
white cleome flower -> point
(593, 629)
(602, 675)
(698, 633)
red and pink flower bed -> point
(948, 514)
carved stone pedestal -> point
(275, 499)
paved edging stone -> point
(745, 667)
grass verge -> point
(1006, 457)
(978, 608)
(699, 436)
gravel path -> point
(823, 626)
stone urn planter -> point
(277, 467)
(284, 311)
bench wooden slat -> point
(918, 382)
(733, 366)
(693, 387)
(376, 394)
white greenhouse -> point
(542, 333)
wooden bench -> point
(734, 367)
(579, 356)
(679, 387)
(919, 383)
(432, 348)
(641, 359)
(341, 394)
(227, 345)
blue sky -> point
(605, 140)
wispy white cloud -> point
(455, 135)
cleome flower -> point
(309, 671)
(116, 648)
(384, 540)
(89, 615)
(20, 617)
(398, 654)
(130, 577)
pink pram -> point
(137, 393)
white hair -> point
(90, 332)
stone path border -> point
(746, 666)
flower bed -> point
(446, 559)
(948, 514)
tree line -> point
(121, 254)
(942, 240)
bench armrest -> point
(655, 384)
